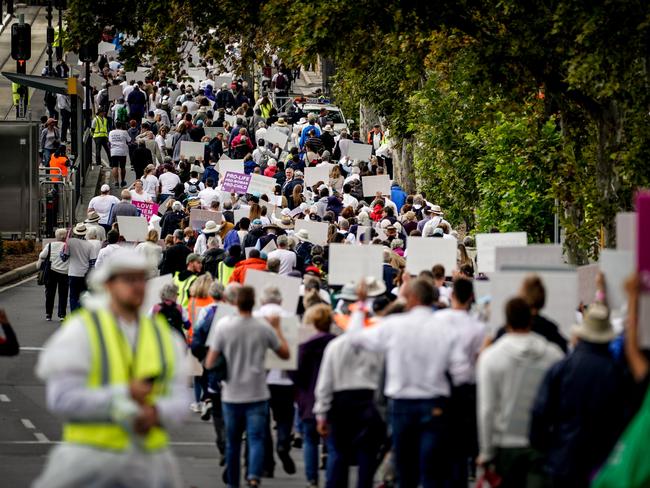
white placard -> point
(364, 235)
(317, 230)
(289, 286)
(274, 136)
(290, 327)
(534, 256)
(105, 47)
(152, 291)
(561, 296)
(587, 282)
(626, 231)
(223, 310)
(486, 244)
(135, 76)
(425, 252)
(262, 185)
(270, 247)
(189, 149)
(617, 266)
(241, 212)
(115, 92)
(231, 119)
(212, 132)
(230, 165)
(97, 81)
(198, 217)
(350, 263)
(247, 251)
(72, 59)
(359, 152)
(374, 184)
(133, 229)
(197, 74)
(316, 174)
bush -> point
(17, 248)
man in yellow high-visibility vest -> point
(99, 128)
(118, 379)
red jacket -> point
(239, 275)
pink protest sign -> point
(643, 237)
(146, 208)
(235, 182)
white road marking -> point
(9, 287)
(42, 438)
(32, 349)
(4, 398)
(45, 440)
(27, 423)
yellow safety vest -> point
(101, 127)
(183, 288)
(114, 363)
(225, 272)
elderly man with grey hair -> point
(57, 277)
(282, 392)
(288, 259)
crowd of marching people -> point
(399, 376)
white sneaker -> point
(195, 407)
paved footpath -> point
(28, 431)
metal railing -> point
(57, 200)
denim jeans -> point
(310, 441)
(77, 287)
(420, 435)
(252, 418)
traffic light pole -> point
(21, 68)
(50, 39)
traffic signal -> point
(88, 53)
(10, 7)
(49, 36)
(21, 41)
(60, 4)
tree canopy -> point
(503, 107)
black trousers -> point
(99, 143)
(65, 124)
(281, 405)
(56, 280)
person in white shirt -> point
(348, 199)
(286, 257)
(168, 181)
(57, 276)
(509, 373)
(150, 182)
(345, 410)
(471, 336)
(118, 140)
(209, 194)
(138, 194)
(192, 106)
(79, 253)
(419, 356)
(112, 237)
(164, 118)
(209, 230)
(194, 179)
(102, 204)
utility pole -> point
(49, 39)
(21, 51)
(61, 5)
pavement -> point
(29, 431)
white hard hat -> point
(121, 261)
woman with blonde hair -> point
(255, 211)
(199, 298)
(336, 179)
(296, 197)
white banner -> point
(316, 174)
(374, 184)
(317, 230)
(533, 256)
(262, 185)
(189, 149)
(133, 229)
(617, 266)
(240, 213)
(486, 244)
(230, 165)
(289, 286)
(290, 327)
(425, 252)
(274, 136)
(114, 92)
(359, 152)
(626, 231)
(349, 263)
(152, 292)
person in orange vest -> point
(254, 261)
(61, 161)
(375, 137)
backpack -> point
(172, 314)
(281, 82)
(122, 115)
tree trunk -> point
(403, 164)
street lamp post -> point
(50, 39)
(61, 6)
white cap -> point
(123, 260)
(105, 188)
